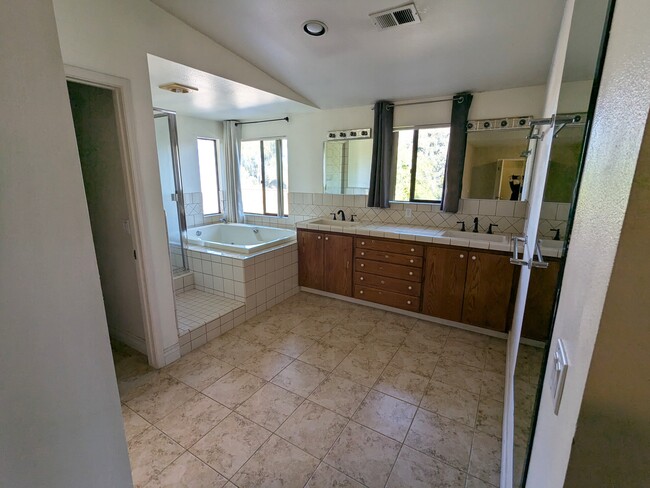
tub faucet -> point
(556, 237)
(475, 224)
(342, 214)
(223, 220)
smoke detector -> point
(406, 14)
(177, 88)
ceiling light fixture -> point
(314, 28)
(178, 88)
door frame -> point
(123, 102)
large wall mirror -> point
(347, 166)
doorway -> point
(100, 151)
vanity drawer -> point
(387, 284)
(387, 269)
(391, 299)
(389, 246)
(388, 257)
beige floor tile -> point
(459, 375)
(312, 328)
(399, 319)
(489, 418)
(388, 333)
(359, 325)
(363, 455)
(366, 313)
(360, 369)
(234, 388)
(263, 334)
(161, 398)
(323, 356)
(477, 483)
(339, 394)
(188, 472)
(192, 420)
(402, 384)
(150, 452)
(440, 437)
(485, 463)
(376, 351)
(230, 444)
(419, 362)
(133, 423)
(427, 337)
(493, 385)
(386, 415)
(224, 340)
(291, 345)
(300, 378)
(495, 360)
(469, 337)
(341, 338)
(238, 352)
(464, 353)
(277, 464)
(451, 402)
(198, 370)
(326, 476)
(416, 470)
(312, 428)
(270, 406)
(266, 364)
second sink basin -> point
(475, 236)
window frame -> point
(216, 170)
(279, 169)
(414, 153)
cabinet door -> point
(540, 301)
(487, 290)
(338, 264)
(444, 282)
(310, 259)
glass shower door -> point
(172, 189)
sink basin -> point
(551, 244)
(476, 236)
(342, 223)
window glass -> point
(270, 177)
(262, 164)
(250, 175)
(207, 149)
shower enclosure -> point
(172, 188)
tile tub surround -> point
(215, 416)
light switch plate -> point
(560, 368)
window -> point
(208, 175)
(421, 157)
(264, 177)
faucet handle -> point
(352, 217)
(462, 225)
(333, 214)
(556, 237)
(490, 227)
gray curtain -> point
(456, 154)
(382, 153)
(231, 149)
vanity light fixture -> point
(314, 28)
(177, 88)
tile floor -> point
(316, 392)
(195, 308)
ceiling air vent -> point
(406, 14)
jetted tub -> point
(239, 238)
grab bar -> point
(515, 251)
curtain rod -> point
(260, 121)
(428, 101)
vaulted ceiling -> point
(474, 45)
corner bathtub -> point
(238, 238)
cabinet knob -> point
(408, 302)
(412, 249)
(473, 258)
(462, 256)
(410, 273)
(383, 282)
(362, 265)
(327, 238)
(363, 243)
(410, 287)
(386, 256)
(360, 292)
(411, 261)
(363, 253)
(361, 278)
(319, 237)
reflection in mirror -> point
(495, 162)
(347, 166)
(563, 163)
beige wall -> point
(613, 431)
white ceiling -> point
(474, 45)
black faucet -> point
(462, 225)
(342, 214)
(490, 227)
(475, 224)
(556, 237)
(352, 218)
(333, 216)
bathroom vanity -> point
(444, 278)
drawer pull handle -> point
(408, 302)
(327, 238)
(361, 292)
(363, 243)
(362, 265)
(412, 249)
(410, 287)
(361, 279)
(410, 273)
(386, 256)
(363, 253)
(383, 282)
(473, 258)
(411, 260)
(319, 238)
(462, 256)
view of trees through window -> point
(262, 164)
(208, 174)
(420, 174)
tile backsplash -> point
(508, 216)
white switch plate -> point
(558, 375)
(408, 213)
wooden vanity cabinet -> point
(488, 287)
(540, 301)
(444, 285)
(325, 262)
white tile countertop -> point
(434, 235)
